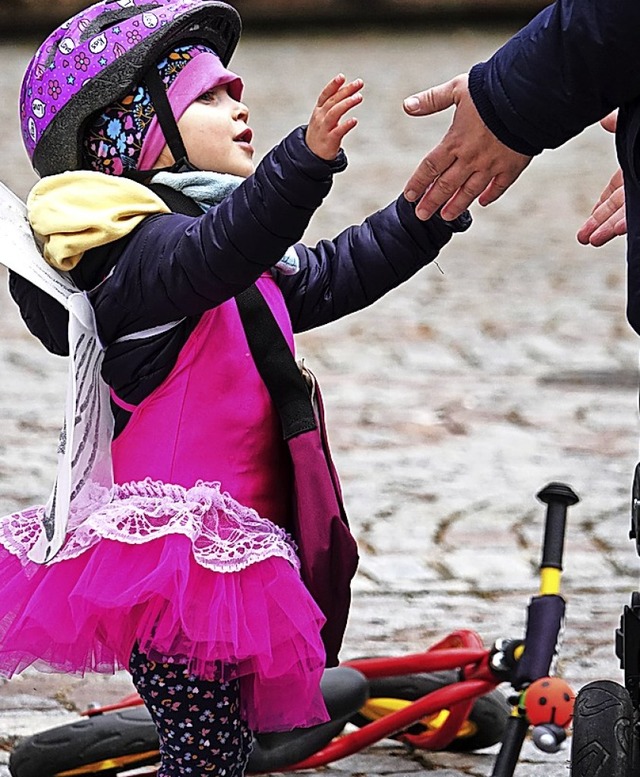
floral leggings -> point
(199, 724)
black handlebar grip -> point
(557, 497)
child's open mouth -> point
(245, 137)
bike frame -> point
(480, 669)
(461, 650)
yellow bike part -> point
(378, 708)
(111, 763)
(550, 580)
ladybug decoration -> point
(549, 700)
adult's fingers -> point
(614, 228)
(597, 233)
(433, 100)
(460, 183)
(453, 191)
(605, 223)
(430, 169)
(463, 197)
(607, 219)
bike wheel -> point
(603, 741)
(100, 746)
(484, 726)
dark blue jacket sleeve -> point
(343, 275)
(571, 65)
(174, 266)
(45, 317)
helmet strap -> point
(166, 119)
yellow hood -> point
(73, 212)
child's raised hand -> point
(326, 130)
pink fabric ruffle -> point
(258, 624)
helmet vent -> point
(222, 26)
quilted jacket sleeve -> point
(44, 316)
(340, 276)
(571, 65)
(174, 266)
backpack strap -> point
(276, 364)
(177, 201)
(269, 348)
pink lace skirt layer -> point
(190, 576)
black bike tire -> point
(603, 740)
(95, 739)
(489, 713)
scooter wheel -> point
(484, 726)
(603, 740)
(99, 746)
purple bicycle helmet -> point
(96, 56)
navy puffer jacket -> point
(574, 63)
(174, 267)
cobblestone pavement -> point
(450, 403)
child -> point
(187, 575)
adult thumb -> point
(432, 100)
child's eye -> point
(208, 97)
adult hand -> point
(326, 126)
(608, 218)
(469, 162)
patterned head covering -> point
(100, 54)
(127, 135)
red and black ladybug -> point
(549, 700)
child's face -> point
(216, 135)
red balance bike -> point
(442, 698)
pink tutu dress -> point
(190, 560)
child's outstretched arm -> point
(364, 262)
(328, 125)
